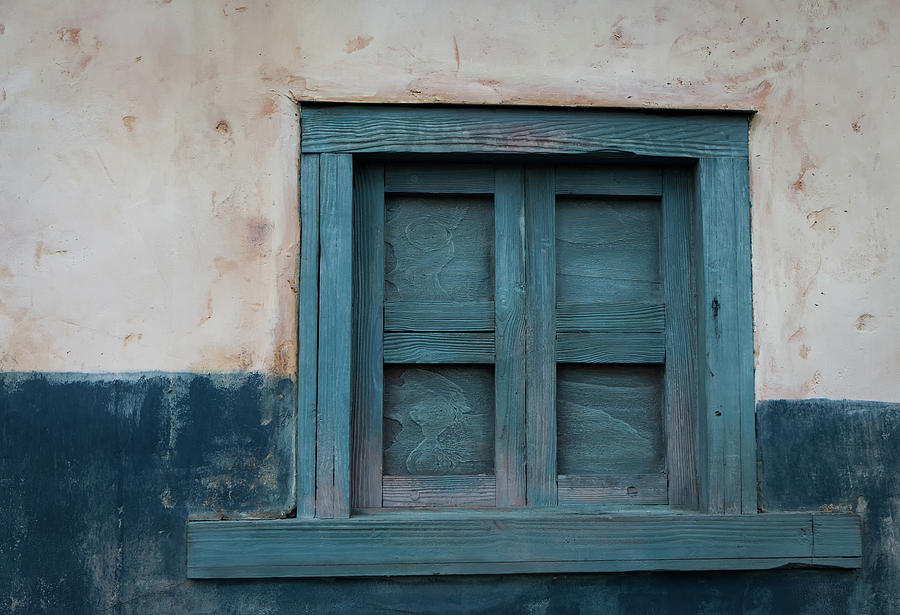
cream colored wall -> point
(148, 160)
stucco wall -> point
(148, 166)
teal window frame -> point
(715, 527)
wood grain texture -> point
(368, 294)
(438, 248)
(439, 491)
(335, 347)
(682, 403)
(307, 333)
(438, 420)
(629, 316)
(439, 178)
(610, 420)
(540, 343)
(608, 250)
(438, 347)
(836, 535)
(640, 490)
(413, 129)
(609, 181)
(721, 331)
(744, 298)
(509, 369)
(429, 542)
(610, 347)
(406, 316)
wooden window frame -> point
(718, 526)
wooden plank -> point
(439, 248)
(412, 129)
(610, 347)
(509, 370)
(439, 347)
(335, 347)
(409, 542)
(566, 567)
(641, 490)
(439, 316)
(307, 333)
(610, 419)
(540, 330)
(368, 292)
(440, 491)
(628, 316)
(720, 340)
(681, 339)
(836, 535)
(438, 420)
(439, 178)
(609, 181)
(608, 250)
(744, 298)
(469, 568)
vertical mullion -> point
(335, 347)
(368, 347)
(509, 303)
(681, 342)
(540, 336)
(307, 330)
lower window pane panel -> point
(438, 420)
(610, 420)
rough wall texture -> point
(148, 189)
(95, 519)
(148, 221)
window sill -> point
(506, 542)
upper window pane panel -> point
(438, 248)
(608, 249)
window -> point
(512, 346)
(525, 346)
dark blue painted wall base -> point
(99, 474)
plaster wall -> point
(148, 166)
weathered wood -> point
(540, 330)
(744, 298)
(610, 420)
(438, 420)
(509, 370)
(609, 181)
(438, 248)
(564, 567)
(429, 542)
(413, 129)
(836, 535)
(645, 317)
(608, 250)
(439, 316)
(439, 178)
(721, 333)
(307, 333)
(610, 347)
(439, 491)
(641, 490)
(439, 347)
(681, 339)
(335, 347)
(368, 293)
